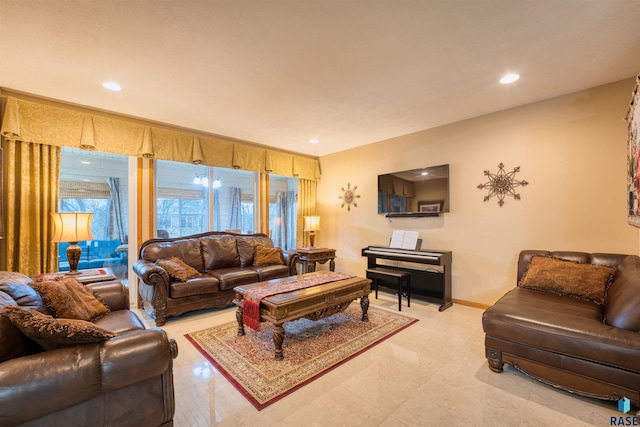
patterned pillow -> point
(582, 281)
(69, 299)
(52, 333)
(267, 256)
(178, 268)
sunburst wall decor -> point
(502, 184)
(349, 197)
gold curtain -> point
(306, 206)
(33, 172)
(63, 127)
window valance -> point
(29, 121)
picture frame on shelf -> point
(430, 206)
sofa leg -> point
(494, 357)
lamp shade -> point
(71, 226)
(311, 223)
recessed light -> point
(509, 78)
(85, 162)
(112, 86)
(313, 141)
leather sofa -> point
(222, 261)
(582, 346)
(126, 380)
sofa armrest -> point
(53, 380)
(114, 294)
(152, 274)
(291, 260)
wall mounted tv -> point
(415, 192)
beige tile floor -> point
(431, 374)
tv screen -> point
(416, 192)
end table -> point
(85, 277)
(310, 256)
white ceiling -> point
(347, 72)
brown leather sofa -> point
(222, 260)
(124, 381)
(573, 344)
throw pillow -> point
(52, 333)
(267, 256)
(69, 299)
(582, 281)
(178, 268)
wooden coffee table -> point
(313, 303)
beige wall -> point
(572, 151)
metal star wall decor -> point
(349, 197)
(502, 184)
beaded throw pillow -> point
(178, 269)
(582, 281)
(267, 256)
(52, 333)
(69, 299)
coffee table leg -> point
(278, 338)
(364, 303)
(240, 322)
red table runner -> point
(252, 298)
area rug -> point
(311, 349)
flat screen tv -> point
(415, 192)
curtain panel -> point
(52, 125)
(33, 172)
(306, 207)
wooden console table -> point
(310, 256)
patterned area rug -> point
(311, 349)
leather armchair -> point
(124, 381)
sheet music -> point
(404, 239)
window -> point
(283, 208)
(96, 183)
(193, 199)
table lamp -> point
(72, 227)
(312, 224)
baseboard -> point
(471, 303)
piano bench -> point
(397, 277)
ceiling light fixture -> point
(313, 141)
(509, 78)
(112, 86)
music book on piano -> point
(405, 240)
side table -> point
(310, 256)
(85, 277)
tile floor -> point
(433, 373)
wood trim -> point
(471, 303)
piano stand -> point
(430, 283)
(395, 276)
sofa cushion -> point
(219, 252)
(14, 343)
(622, 304)
(69, 299)
(16, 285)
(52, 333)
(236, 276)
(247, 247)
(197, 286)
(583, 281)
(178, 268)
(272, 272)
(267, 256)
(120, 321)
(188, 250)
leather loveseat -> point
(221, 261)
(583, 343)
(126, 380)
